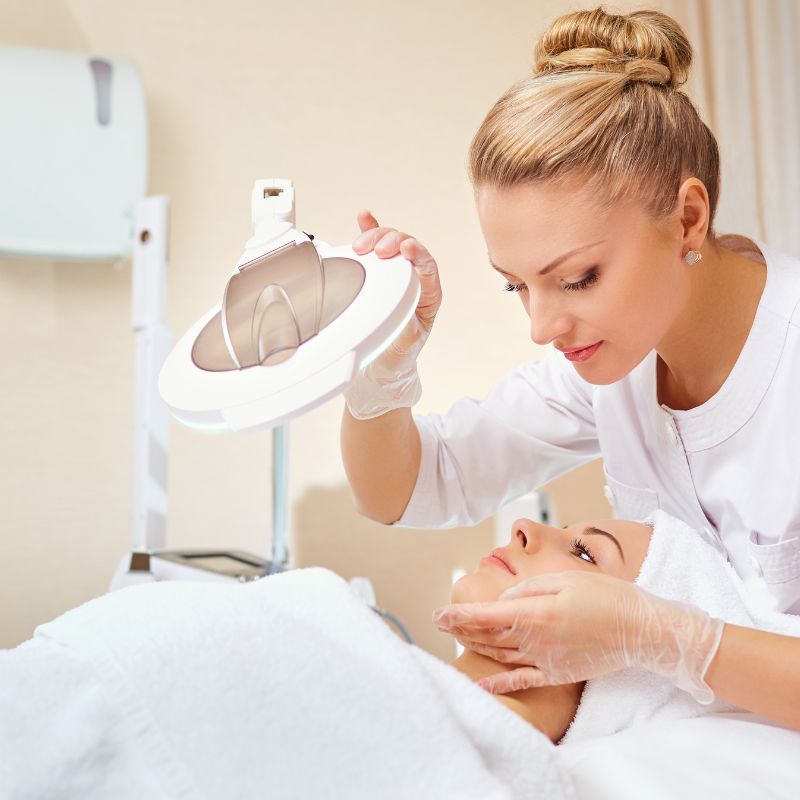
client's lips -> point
(499, 556)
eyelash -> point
(580, 547)
(583, 283)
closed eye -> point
(585, 282)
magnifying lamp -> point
(297, 319)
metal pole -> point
(280, 485)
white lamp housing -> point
(297, 319)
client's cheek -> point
(459, 589)
(477, 587)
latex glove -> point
(391, 380)
(572, 626)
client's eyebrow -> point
(593, 530)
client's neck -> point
(548, 708)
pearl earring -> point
(692, 257)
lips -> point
(499, 555)
(580, 353)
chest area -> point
(742, 493)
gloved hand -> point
(391, 380)
(572, 626)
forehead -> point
(527, 226)
(623, 529)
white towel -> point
(680, 565)
(289, 687)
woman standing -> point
(676, 357)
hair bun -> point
(649, 71)
(601, 60)
(645, 46)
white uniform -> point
(730, 467)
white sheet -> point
(291, 688)
(288, 688)
(726, 755)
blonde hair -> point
(602, 108)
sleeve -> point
(535, 424)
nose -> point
(548, 321)
(528, 534)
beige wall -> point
(361, 104)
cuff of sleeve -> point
(417, 511)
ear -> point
(694, 213)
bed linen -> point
(289, 687)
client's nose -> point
(528, 534)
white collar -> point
(736, 401)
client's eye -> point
(579, 550)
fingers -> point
(505, 655)
(384, 241)
(388, 245)
(366, 220)
(389, 242)
(504, 644)
(497, 614)
(447, 616)
(492, 637)
(515, 680)
(367, 240)
(552, 583)
(415, 252)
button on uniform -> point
(609, 494)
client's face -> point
(611, 546)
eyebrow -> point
(593, 530)
(553, 264)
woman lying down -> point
(292, 687)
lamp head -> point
(296, 321)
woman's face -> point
(621, 285)
(611, 546)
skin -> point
(536, 549)
(696, 317)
